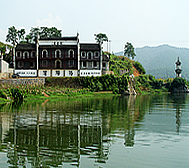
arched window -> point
(25, 54)
(33, 54)
(57, 54)
(44, 54)
(83, 54)
(58, 64)
(89, 55)
(71, 53)
(18, 54)
(96, 54)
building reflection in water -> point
(51, 138)
(54, 134)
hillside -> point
(120, 65)
(160, 61)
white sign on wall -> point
(44, 73)
(57, 73)
(26, 73)
(90, 73)
(70, 73)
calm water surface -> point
(142, 131)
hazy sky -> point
(141, 22)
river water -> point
(134, 131)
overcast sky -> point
(141, 22)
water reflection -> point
(47, 133)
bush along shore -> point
(78, 86)
(61, 87)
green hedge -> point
(105, 83)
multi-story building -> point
(59, 57)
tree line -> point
(16, 36)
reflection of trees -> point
(60, 132)
(49, 138)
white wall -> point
(90, 73)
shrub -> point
(3, 94)
(17, 94)
(139, 67)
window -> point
(96, 54)
(71, 63)
(95, 63)
(84, 64)
(58, 64)
(25, 55)
(18, 54)
(33, 54)
(26, 64)
(83, 54)
(89, 65)
(44, 64)
(71, 53)
(89, 55)
(57, 54)
(44, 54)
(32, 64)
(20, 64)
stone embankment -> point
(25, 81)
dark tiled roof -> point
(88, 46)
(58, 38)
(26, 46)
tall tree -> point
(101, 37)
(12, 35)
(129, 50)
(32, 36)
(21, 34)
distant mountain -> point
(160, 61)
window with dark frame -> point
(71, 63)
(84, 64)
(18, 54)
(95, 63)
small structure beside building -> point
(5, 71)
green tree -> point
(129, 50)
(32, 36)
(50, 32)
(21, 34)
(12, 35)
(42, 32)
(100, 38)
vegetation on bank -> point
(148, 83)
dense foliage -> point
(148, 83)
(139, 67)
(120, 63)
(105, 83)
(177, 83)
